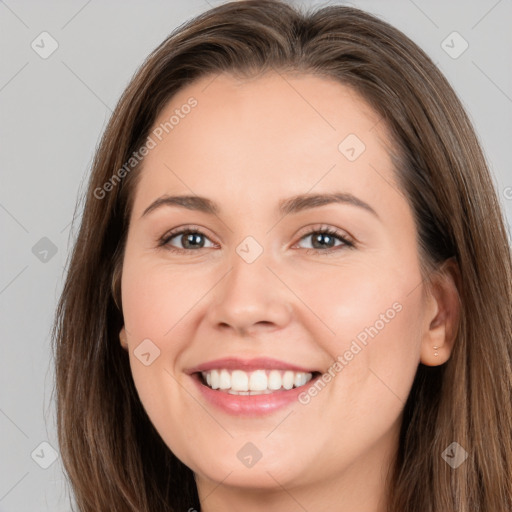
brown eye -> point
(325, 240)
(185, 240)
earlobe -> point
(443, 316)
(122, 338)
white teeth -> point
(239, 381)
(256, 382)
(214, 379)
(224, 380)
(288, 379)
(274, 380)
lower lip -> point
(251, 405)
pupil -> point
(318, 239)
(191, 239)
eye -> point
(189, 239)
(324, 240)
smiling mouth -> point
(257, 382)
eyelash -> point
(165, 239)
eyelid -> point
(314, 228)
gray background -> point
(52, 113)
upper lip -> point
(259, 363)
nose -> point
(250, 299)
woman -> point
(291, 286)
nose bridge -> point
(250, 294)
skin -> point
(248, 144)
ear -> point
(122, 338)
(443, 313)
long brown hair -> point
(114, 457)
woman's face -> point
(259, 298)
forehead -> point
(274, 134)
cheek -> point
(156, 299)
(364, 302)
(160, 312)
(375, 317)
(155, 306)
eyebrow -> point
(288, 206)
